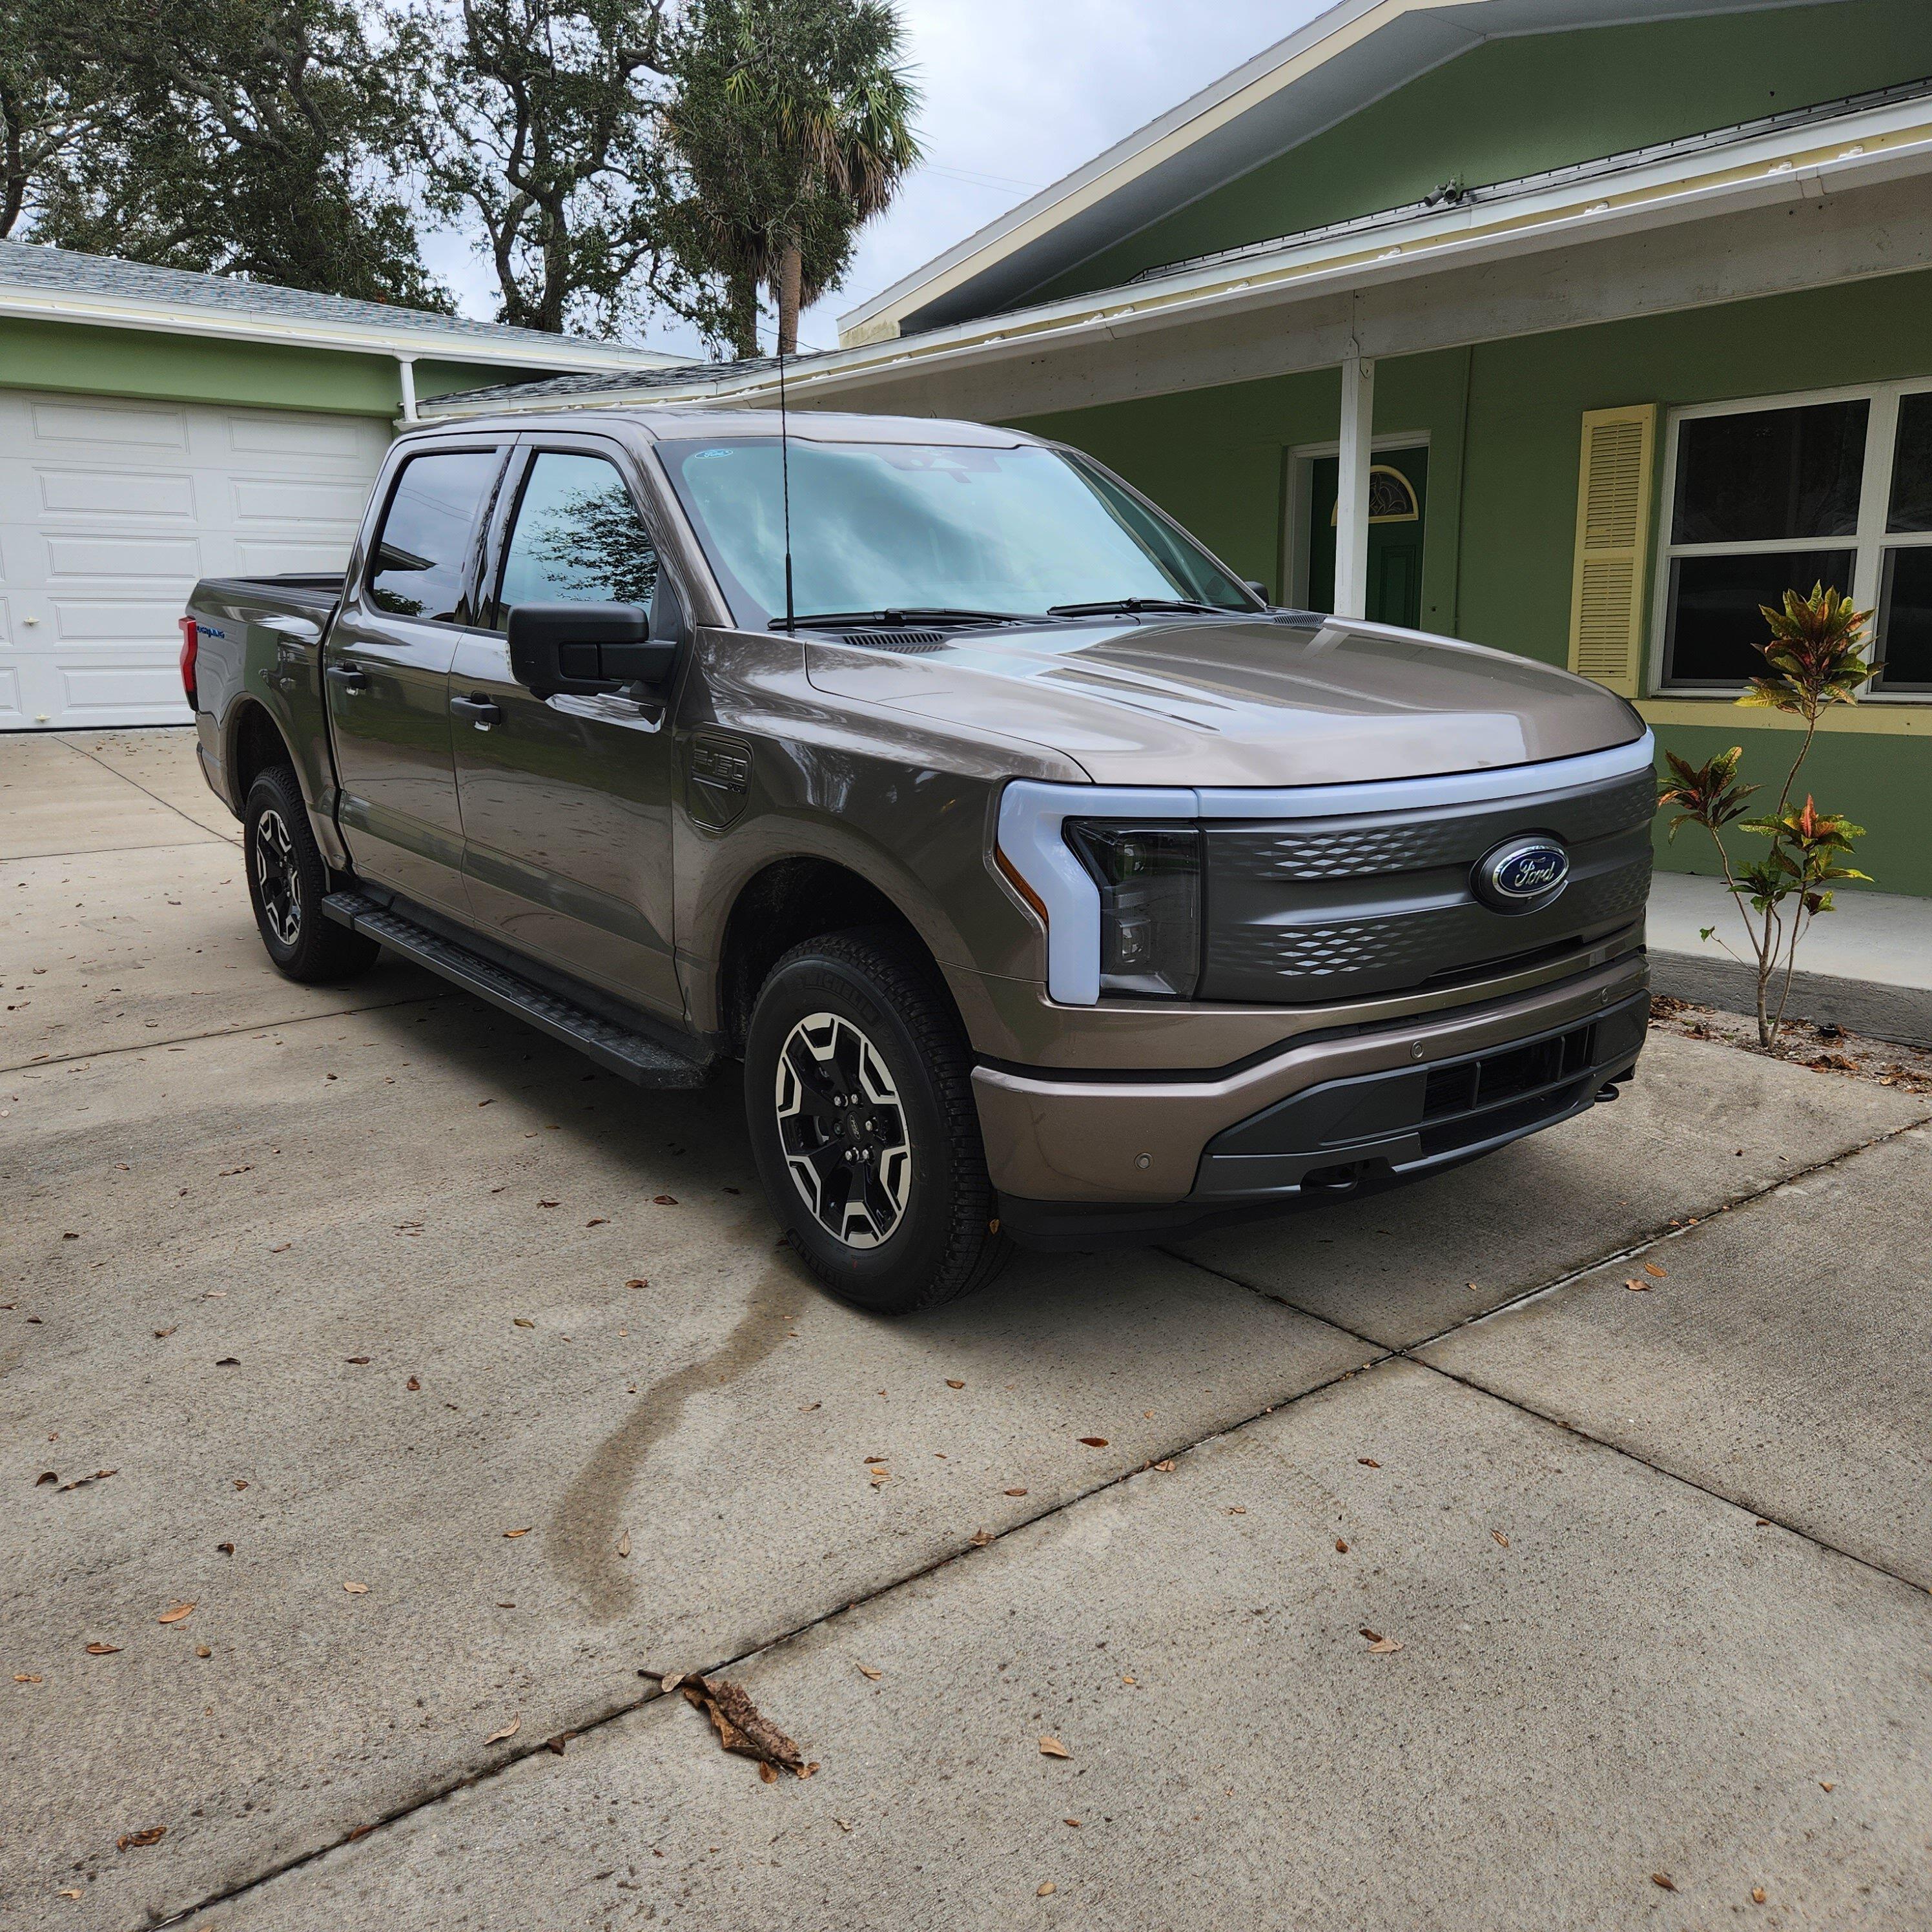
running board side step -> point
(635, 1056)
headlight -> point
(1150, 881)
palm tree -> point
(794, 119)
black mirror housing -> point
(587, 649)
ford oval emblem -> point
(1521, 874)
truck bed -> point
(311, 593)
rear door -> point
(409, 606)
(566, 802)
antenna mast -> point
(785, 472)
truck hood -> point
(1222, 702)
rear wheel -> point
(287, 882)
(858, 1088)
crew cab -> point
(1048, 885)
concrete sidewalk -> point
(1866, 966)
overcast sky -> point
(1018, 93)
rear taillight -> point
(190, 647)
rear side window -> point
(578, 537)
(422, 554)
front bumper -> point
(1319, 1116)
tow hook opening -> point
(1333, 1180)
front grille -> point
(1346, 908)
(1478, 1099)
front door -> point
(1398, 505)
(388, 678)
(566, 802)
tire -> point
(287, 882)
(887, 1201)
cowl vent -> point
(912, 641)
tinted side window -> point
(578, 538)
(419, 567)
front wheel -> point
(858, 1087)
(287, 882)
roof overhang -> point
(1583, 250)
(88, 310)
(1352, 55)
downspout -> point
(406, 369)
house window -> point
(1767, 497)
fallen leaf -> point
(1052, 1747)
(162, 1334)
(521, 1321)
(47, 1476)
(1342, 1547)
(1014, 1493)
(1074, 1821)
(598, 1221)
(805, 1409)
(1656, 1272)
(624, 1544)
(414, 1386)
(176, 1616)
(1047, 1890)
(767, 1775)
(665, 1200)
(1500, 1537)
(668, 1684)
(1384, 1646)
(153, 1835)
(555, 1745)
(951, 1383)
(26, 1677)
(547, 1204)
(71, 1892)
(230, 1362)
(866, 1670)
(201, 1650)
(1757, 1894)
(639, 1282)
(741, 1726)
(1823, 1787)
(509, 1730)
(843, 1824)
(510, 1534)
(1368, 1461)
(980, 1538)
(1638, 1287)
(1663, 1881)
(103, 1649)
(1094, 1442)
(357, 1361)
(1166, 1468)
(357, 1589)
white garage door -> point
(110, 510)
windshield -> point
(918, 526)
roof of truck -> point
(671, 421)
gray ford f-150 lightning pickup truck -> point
(1048, 885)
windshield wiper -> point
(898, 618)
(1128, 606)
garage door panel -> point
(118, 428)
(289, 499)
(110, 510)
(110, 494)
(302, 436)
(91, 559)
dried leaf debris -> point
(741, 1726)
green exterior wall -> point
(193, 368)
(1513, 107)
(1504, 424)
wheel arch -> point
(254, 742)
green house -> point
(158, 426)
(1579, 327)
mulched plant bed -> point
(1825, 1049)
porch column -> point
(1352, 502)
(406, 369)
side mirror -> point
(585, 649)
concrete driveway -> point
(1394, 1566)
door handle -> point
(351, 677)
(479, 710)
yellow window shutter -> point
(1612, 546)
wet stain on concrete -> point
(582, 1543)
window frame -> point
(469, 599)
(494, 613)
(1869, 543)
